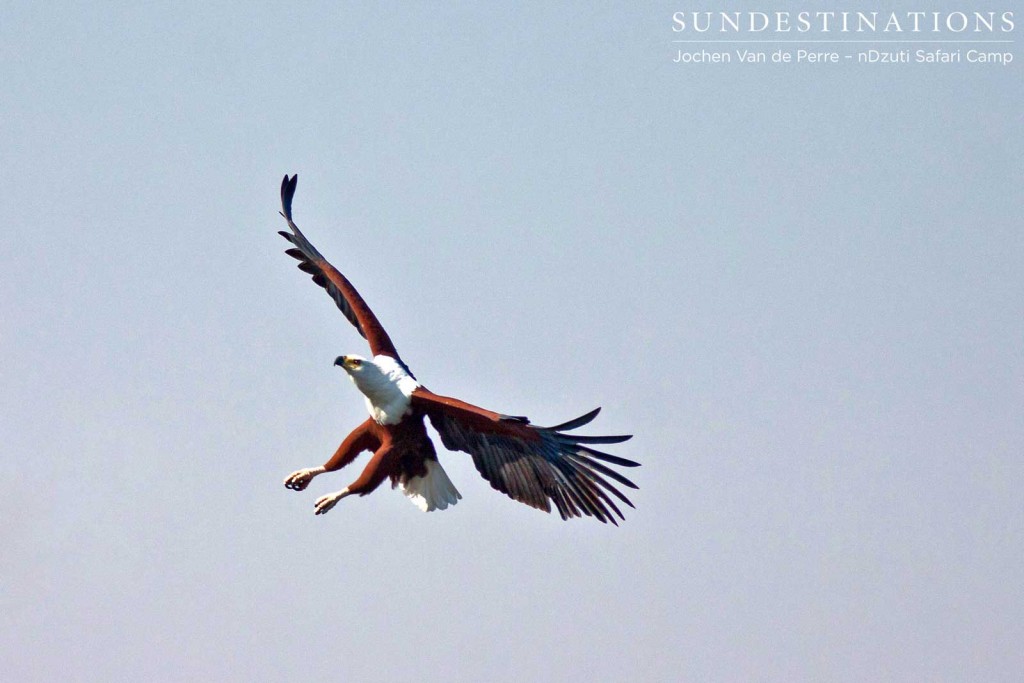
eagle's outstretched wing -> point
(534, 465)
(328, 277)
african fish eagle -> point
(534, 465)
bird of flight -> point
(534, 465)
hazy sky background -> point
(799, 287)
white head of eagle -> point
(386, 384)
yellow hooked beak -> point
(347, 363)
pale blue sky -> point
(800, 288)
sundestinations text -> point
(843, 22)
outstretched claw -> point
(299, 479)
(325, 503)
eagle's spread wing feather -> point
(534, 465)
(327, 276)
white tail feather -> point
(432, 491)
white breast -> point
(388, 390)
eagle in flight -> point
(534, 465)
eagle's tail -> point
(432, 491)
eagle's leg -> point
(376, 471)
(361, 439)
(299, 479)
(325, 503)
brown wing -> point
(327, 276)
(534, 465)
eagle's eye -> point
(356, 362)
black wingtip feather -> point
(614, 459)
(287, 193)
(576, 422)
(569, 438)
(598, 467)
